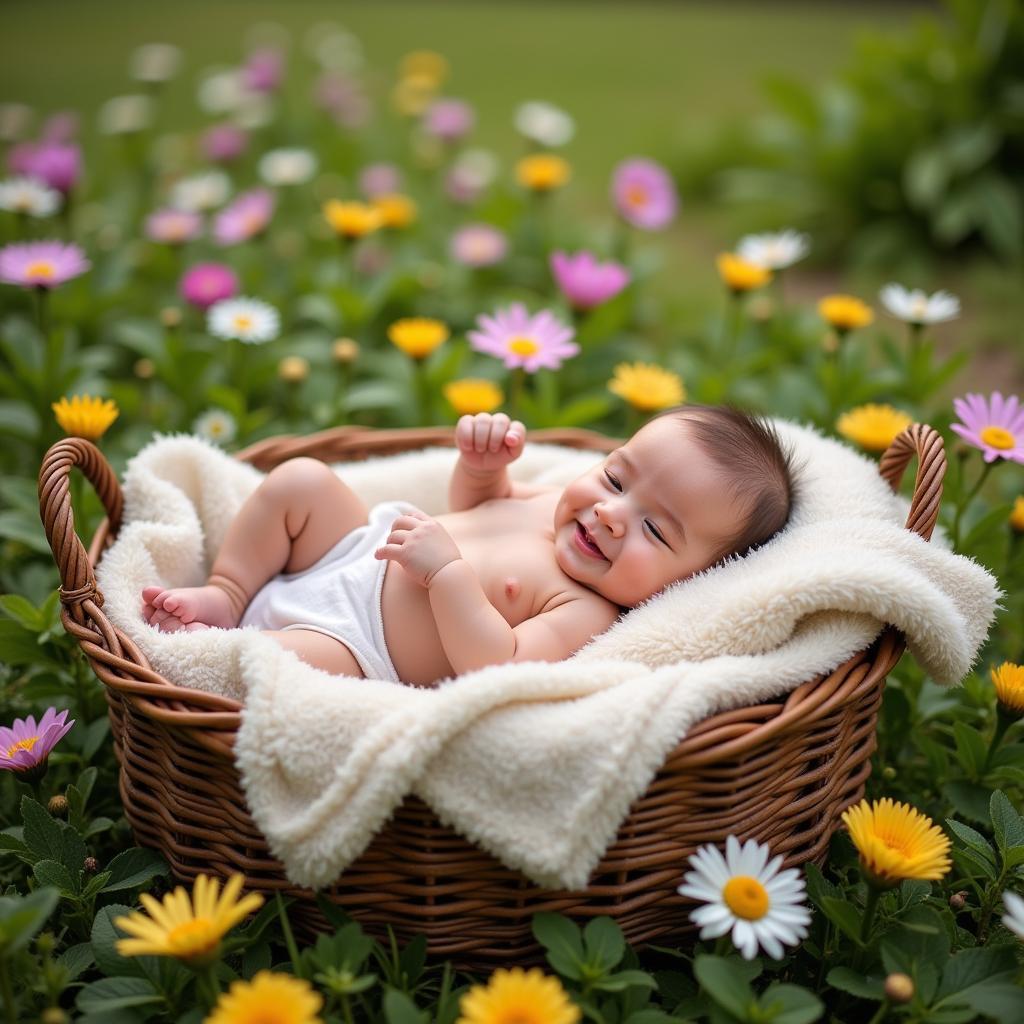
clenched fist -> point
(420, 545)
(488, 443)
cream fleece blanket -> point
(536, 763)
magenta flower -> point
(208, 283)
(59, 164)
(380, 180)
(223, 143)
(245, 218)
(449, 120)
(585, 282)
(644, 194)
(173, 227)
(520, 339)
(41, 264)
(995, 425)
(478, 245)
(263, 70)
(25, 746)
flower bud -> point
(888, 773)
(293, 369)
(144, 369)
(170, 317)
(90, 865)
(899, 988)
(345, 350)
(58, 806)
(957, 901)
(45, 943)
(53, 1015)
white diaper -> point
(339, 595)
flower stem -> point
(289, 938)
(869, 913)
(880, 1013)
(515, 392)
(961, 507)
(1003, 722)
(422, 393)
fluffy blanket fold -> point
(536, 763)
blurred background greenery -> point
(892, 131)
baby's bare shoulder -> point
(584, 604)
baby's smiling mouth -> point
(586, 543)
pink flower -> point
(996, 425)
(520, 339)
(449, 120)
(585, 282)
(173, 227)
(41, 264)
(223, 143)
(478, 245)
(25, 746)
(263, 70)
(644, 193)
(380, 180)
(208, 283)
(245, 218)
(59, 164)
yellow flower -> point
(646, 387)
(424, 64)
(396, 211)
(896, 841)
(293, 369)
(873, 427)
(418, 336)
(473, 395)
(351, 220)
(739, 275)
(518, 997)
(190, 930)
(268, 999)
(1017, 515)
(845, 313)
(1008, 680)
(542, 172)
(412, 94)
(84, 416)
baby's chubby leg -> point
(295, 516)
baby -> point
(514, 572)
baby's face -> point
(654, 511)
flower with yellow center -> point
(518, 997)
(1017, 515)
(412, 94)
(542, 172)
(85, 416)
(472, 395)
(418, 336)
(1008, 679)
(845, 312)
(741, 275)
(896, 841)
(396, 210)
(189, 930)
(351, 219)
(745, 894)
(873, 427)
(268, 999)
(646, 387)
(293, 369)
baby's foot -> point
(187, 608)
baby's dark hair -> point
(757, 464)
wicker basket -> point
(781, 773)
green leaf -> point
(42, 831)
(103, 938)
(1007, 824)
(22, 611)
(844, 915)
(400, 1009)
(563, 942)
(649, 1015)
(723, 981)
(973, 967)
(76, 959)
(603, 942)
(970, 749)
(974, 841)
(970, 799)
(50, 872)
(791, 1004)
(847, 980)
(110, 994)
(622, 980)
(134, 867)
(22, 917)
(925, 178)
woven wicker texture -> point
(781, 773)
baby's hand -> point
(420, 545)
(487, 443)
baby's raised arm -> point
(487, 444)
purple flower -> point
(41, 264)
(585, 282)
(995, 425)
(173, 227)
(59, 164)
(478, 245)
(520, 339)
(644, 193)
(263, 70)
(223, 143)
(449, 120)
(245, 218)
(208, 283)
(25, 746)
(380, 180)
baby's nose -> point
(608, 518)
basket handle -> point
(78, 582)
(926, 443)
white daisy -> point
(155, 62)
(774, 250)
(216, 425)
(27, 195)
(478, 166)
(125, 115)
(1014, 916)
(221, 91)
(544, 123)
(250, 320)
(201, 192)
(915, 307)
(746, 894)
(287, 166)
